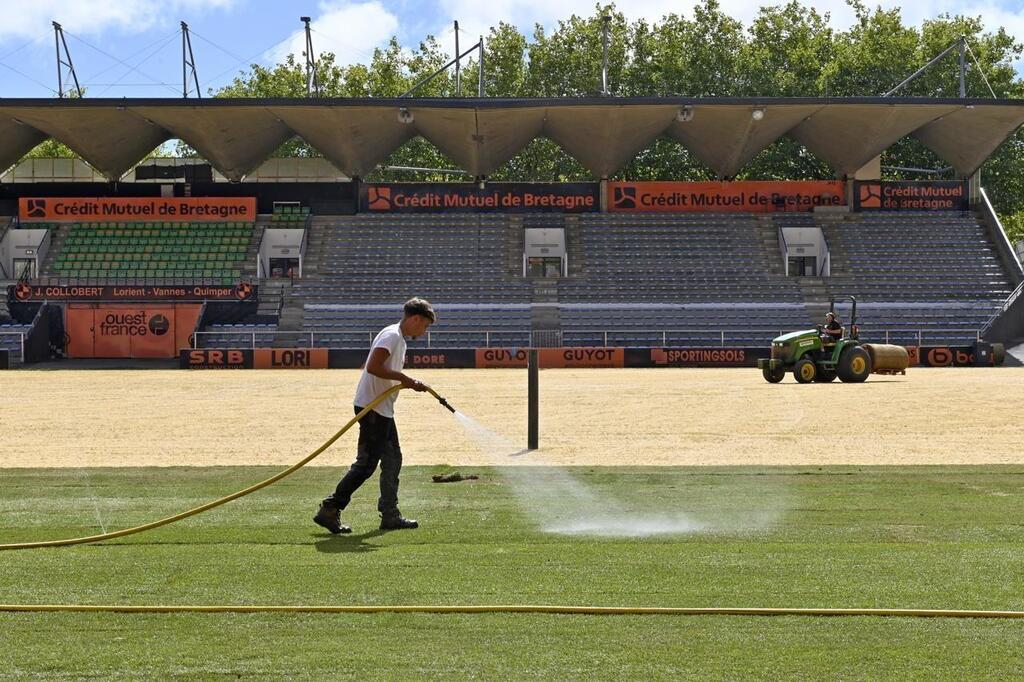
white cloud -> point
(351, 30)
(31, 18)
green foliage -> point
(899, 537)
(787, 50)
(1014, 226)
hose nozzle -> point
(444, 403)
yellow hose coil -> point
(216, 503)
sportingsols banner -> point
(694, 357)
(28, 292)
(718, 197)
(577, 197)
(910, 196)
(144, 209)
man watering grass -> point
(378, 436)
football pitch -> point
(925, 537)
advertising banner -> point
(126, 331)
(578, 197)
(28, 292)
(5, 359)
(719, 197)
(911, 196)
(440, 359)
(290, 358)
(942, 356)
(215, 358)
(136, 209)
(694, 357)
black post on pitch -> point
(532, 400)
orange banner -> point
(126, 331)
(145, 209)
(290, 358)
(501, 357)
(719, 197)
(551, 358)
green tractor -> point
(811, 358)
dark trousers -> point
(378, 443)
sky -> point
(132, 48)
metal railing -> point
(1010, 300)
(361, 339)
(21, 343)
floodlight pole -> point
(312, 82)
(58, 38)
(963, 67)
(188, 61)
(960, 44)
(444, 68)
(480, 84)
(605, 24)
(458, 64)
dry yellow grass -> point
(592, 417)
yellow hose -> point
(561, 610)
(216, 503)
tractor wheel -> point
(773, 376)
(854, 365)
(825, 376)
(805, 371)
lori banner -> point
(578, 197)
(136, 209)
(718, 197)
(27, 292)
(911, 196)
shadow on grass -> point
(335, 544)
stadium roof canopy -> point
(603, 134)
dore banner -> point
(144, 209)
(718, 197)
(579, 197)
(911, 196)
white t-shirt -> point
(371, 386)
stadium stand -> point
(289, 216)
(931, 278)
(10, 337)
(445, 258)
(697, 324)
(147, 252)
(458, 326)
(240, 335)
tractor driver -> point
(832, 331)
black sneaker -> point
(330, 518)
(395, 521)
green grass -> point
(924, 537)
